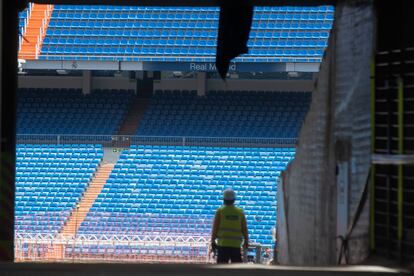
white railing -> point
(180, 58)
(181, 240)
(102, 248)
(42, 30)
(26, 21)
(147, 249)
(128, 140)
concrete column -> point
(8, 102)
(201, 83)
(86, 82)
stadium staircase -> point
(35, 31)
(92, 192)
(134, 116)
(56, 251)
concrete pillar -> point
(201, 83)
(8, 102)
(86, 82)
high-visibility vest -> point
(230, 228)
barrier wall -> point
(323, 185)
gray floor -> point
(182, 270)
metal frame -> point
(47, 247)
(390, 193)
(112, 239)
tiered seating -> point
(50, 179)
(279, 34)
(175, 190)
(225, 114)
(67, 111)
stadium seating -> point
(50, 179)
(23, 19)
(279, 34)
(67, 111)
(174, 190)
(225, 114)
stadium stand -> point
(23, 18)
(50, 179)
(225, 114)
(279, 34)
(154, 191)
(68, 111)
(161, 190)
(174, 190)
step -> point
(86, 202)
(32, 34)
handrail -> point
(186, 58)
(137, 239)
(128, 140)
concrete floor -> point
(25, 269)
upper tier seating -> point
(279, 34)
(68, 111)
(50, 179)
(225, 114)
(23, 17)
(175, 190)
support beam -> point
(372, 184)
(201, 83)
(400, 191)
(86, 82)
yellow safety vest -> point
(230, 228)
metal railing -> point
(128, 140)
(24, 27)
(145, 249)
(176, 58)
(114, 248)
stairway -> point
(89, 197)
(35, 31)
(134, 116)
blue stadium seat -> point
(54, 121)
(183, 26)
(45, 211)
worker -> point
(229, 229)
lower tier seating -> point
(175, 190)
(50, 179)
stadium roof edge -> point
(186, 2)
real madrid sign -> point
(209, 66)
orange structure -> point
(86, 202)
(35, 31)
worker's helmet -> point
(229, 194)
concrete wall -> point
(356, 39)
(336, 131)
(75, 82)
(263, 85)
